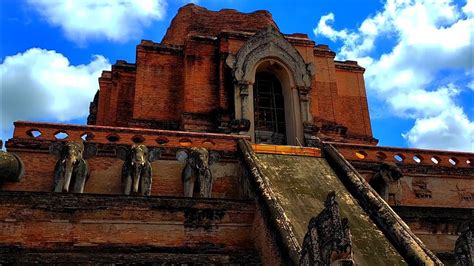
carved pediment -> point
(269, 43)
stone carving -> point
(137, 169)
(420, 188)
(310, 132)
(11, 167)
(387, 182)
(269, 43)
(239, 125)
(328, 240)
(71, 170)
(464, 248)
(196, 175)
(464, 194)
(234, 126)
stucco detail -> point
(269, 43)
(270, 46)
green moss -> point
(302, 183)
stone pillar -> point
(298, 123)
(304, 100)
(244, 105)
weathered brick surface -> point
(196, 20)
(52, 222)
(424, 183)
(184, 82)
(159, 84)
(201, 77)
(351, 103)
(264, 240)
(439, 228)
(122, 136)
(105, 176)
(105, 168)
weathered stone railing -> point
(31, 131)
(31, 142)
(358, 152)
(401, 236)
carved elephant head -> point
(390, 172)
(71, 169)
(196, 174)
(136, 169)
(386, 182)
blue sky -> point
(418, 55)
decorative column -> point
(243, 89)
(304, 102)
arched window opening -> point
(269, 107)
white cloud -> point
(115, 20)
(451, 128)
(429, 36)
(42, 85)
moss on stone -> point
(301, 184)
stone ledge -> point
(71, 202)
(128, 254)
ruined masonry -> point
(230, 142)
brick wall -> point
(183, 82)
(159, 83)
(105, 168)
(67, 225)
(196, 20)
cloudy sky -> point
(418, 55)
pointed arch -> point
(269, 46)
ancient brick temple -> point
(230, 142)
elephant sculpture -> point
(137, 169)
(387, 182)
(71, 170)
(196, 175)
(12, 168)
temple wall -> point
(201, 77)
(105, 176)
(189, 98)
(70, 225)
(105, 168)
(124, 81)
(424, 183)
(104, 110)
(436, 197)
(350, 105)
(264, 239)
(323, 89)
(159, 83)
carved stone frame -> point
(270, 46)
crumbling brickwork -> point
(184, 82)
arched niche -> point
(268, 50)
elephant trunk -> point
(201, 166)
(136, 176)
(136, 182)
(69, 167)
